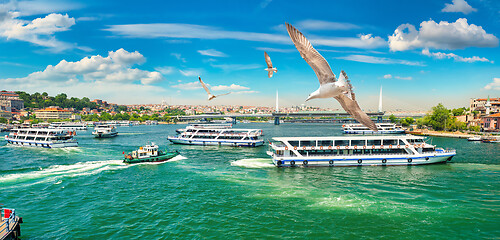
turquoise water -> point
(224, 192)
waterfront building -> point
(5, 114)
(485, 106)
(491, 122)
(10, 101)
(53, 112)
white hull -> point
(362, 160)
(42, 144)
(105, 135)
(214, 142)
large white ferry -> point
(206, 126)
(69, 125)
(217, 136)
(383, 128)
(104, 131)
(356, 151)
(41, 137)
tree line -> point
(43, 100)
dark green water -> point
(235, 193)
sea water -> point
(224, 192)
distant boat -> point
(474, 139)
(69, 125)
(104, 131)
(383, 128)
(149, 153)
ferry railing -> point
(7, 222)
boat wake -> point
(174, 159)
(58, 171)
(253, 163)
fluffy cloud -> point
(379, 60)
(442, 35)
(232, 87)
(458, 6)
(236, 67)
(212, 53)
(189, 86)
(362, 41)
(495, 85)
(190, 72)
(116, 67)
(440, 55)
(388, 76)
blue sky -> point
(421, 52)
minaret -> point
(487, 106)
(380, 101)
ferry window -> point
(358, 151)
(373, 142)
(341, 142)
(401, 142)
(325, 143)
(419, 140)
(307, 143)
(357, 142)
(390, 142)
(294, 143)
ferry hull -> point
(162, 158)
(42, 144)
(362, 161)
(105, 135)
(216, 143)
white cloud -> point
(212, 53)
(245, 92)
(190, 72)
(191, 31)
(276, 49)
(389, 76)
(116, 67)
(189, 86)
(495, 85)
(379, 60)
(179, 57)
(236, 67)
(165, 70)
(85, 19)
(458, 6)
(233, 87)
(442, 35)
(440, 55)
(311, 24)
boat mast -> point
(380, 101)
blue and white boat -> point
(356, 151)
(219, 136)
(41, 137)
(383, 128)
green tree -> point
(393, 118)
(459, 111)
(3, 120)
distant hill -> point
(43, 100)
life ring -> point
(338, 147)
(305, 162)
(373, 146)
(346, 147)
(330, 162)
(399, 146)
(286, 148)
(278, 162)
(426, 158)
(330, 147)
(384, 160)
(294, 148)
(355, 147)
(304, 148)
(364, 147)
(390, 146)
(381, 146)
(410, 160)
(312, 147)
(360, 161)
(406, 146)
(321, 148)
(292, 163)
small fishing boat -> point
(149, 153)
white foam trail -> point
(77, 169)
(253, 163)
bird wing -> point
(222, 94)
(204, 86)
(352, 107)
(268, 60)
(349, 93)
(312, 57)
(270, 73)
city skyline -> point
(422, 53)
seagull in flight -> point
(210, 95)
(340, 89)
(270, 69)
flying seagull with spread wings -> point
(270, 69)
(210, 95)
(340, 89)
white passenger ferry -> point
(383, 128)
(104, 131)
(41, 137)
(69, 125)
(356, 151)
(217, 136)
